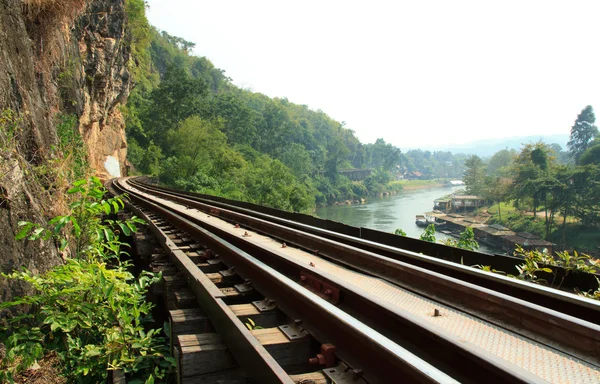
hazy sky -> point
(417, 73)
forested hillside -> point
(190, 126)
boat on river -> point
(424, 220)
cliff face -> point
(76, 64)
(104, 56)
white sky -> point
(417, 73)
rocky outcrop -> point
(32, 136)
(82, 71)
(104, 56)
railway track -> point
(378, 318)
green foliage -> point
(92, 316)
(399, 232)
(575, 262)
(466, 241)
(251, 325)
(582, 133)
(89, 235)
(72, 146)
(429, 234)
(91, 311)
(312, 147)
(10, 130)
(474, 176)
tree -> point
(591, 154)
(500, 161)
(531, 170)
(582, 133)
(474, 175)
(178, 97)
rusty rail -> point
(463, 362)
(547, 326)
(356, 343)
(563, 302)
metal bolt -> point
(297, 322)
(303, 279)
(328, 292)
(312, 264)
(237, 226)
(283, 245)
(436, 313)
(358, 372)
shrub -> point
(91, 311)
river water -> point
(386, 214)
(390, 212)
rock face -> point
(88, 77)
(104, 55)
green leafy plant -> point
(429, 234)
(90, 312)
(251, 325)
(488, 268)
(400, 232)
(90, 234)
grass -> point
(575, 236)
(505, 208)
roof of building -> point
(497, 232)
(466, 197)
(517, 239)
(528, 235)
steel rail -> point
(248, 352)
(463, 361)
(567, 303)
(356, 343)
(550, 327)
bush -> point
(91, 311)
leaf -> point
(546, 270)
(24, 231)
(150, 380)
(125, 229)
(75, 190)
(36, 234)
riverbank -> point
(413, 185)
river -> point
(389, 213)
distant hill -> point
(488, 147)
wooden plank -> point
(196, 256)
(229, 376)
(312, 377)
(185, 298)
(216, 278)
(118, 377)
(202, 353)
(285, 351)
(174, 281)
(187, 321)
(210, 268)
(264, 319)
